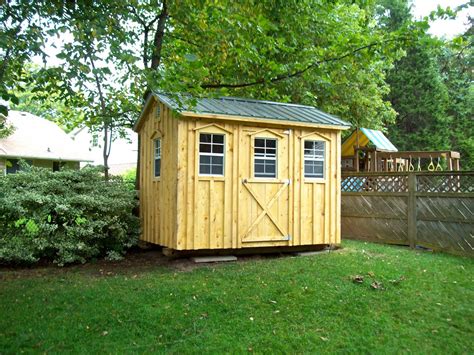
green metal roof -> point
(234, 106)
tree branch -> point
(290, 75)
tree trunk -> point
(155, 62)
(106, 151)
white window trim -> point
(156, 157)
(314, 158)
(212, 154)
(265, 157)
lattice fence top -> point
(463, 183)
(375, 183)
(435, 182)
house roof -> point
(254, 109)
(37, 138)
(366, 137)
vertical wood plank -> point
(338, 188)
(411, 215)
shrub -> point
(129, 178)
(67, 216)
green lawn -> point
(287, 304)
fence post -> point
(411, 213)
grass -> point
(288, 304)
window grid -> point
(265, 161)
(157, 157)
(211, 154)
(314, 159)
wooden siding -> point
(158, 205)
(238, 210)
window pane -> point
(157, 148)
(318, 145)
(218, 138)
(318, 168)
(204, 169)
(270, 168)
(205, 159)
(271, 152)
(217, 170)
(259, 168)
(259, 151)
(314, 169)
(217, 160)
(271, 143)
(204, 148)
(157, 167)
(217, 148)
(259, 142)
(205, 138)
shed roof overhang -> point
(326, 121)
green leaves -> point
(67, 216)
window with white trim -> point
(265, 158)
(211, 154)
(157, 164)
(314, 159)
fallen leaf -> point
(104, 333)
(324, 339)
(371, 274)
(274, 302)
(357, 279)
(376, 285)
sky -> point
(443, 28)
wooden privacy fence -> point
(430, 209)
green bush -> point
(67, 217)
(129, 177)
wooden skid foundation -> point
(247, 251)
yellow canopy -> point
(366, 136)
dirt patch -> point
(136, 262)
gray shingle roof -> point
(234, 106)
(37, 138)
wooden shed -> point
(231, 173)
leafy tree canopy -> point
(336, 55)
